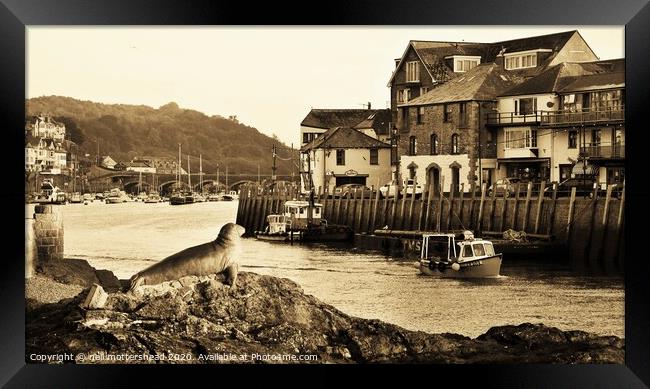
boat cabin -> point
(297, 213)
(449, 247)
(277, 224)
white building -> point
(43, 126)
(343, 155)
(44, 155)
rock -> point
(96, 298)
(266, 319)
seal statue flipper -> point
(231, 275)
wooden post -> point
(422, 198)
(603, 225)
(515, 210)
(619, 230)
(439, 213)
(471, 209)
(461, 206)
(371, 226)
(393, 215)
(502, 223)
(551, 216)
(527, 205)
(480, 208)
(589, 255)
(360, 217)
(538, 211)
(493, 200)
(450, 214)
(401, 212)
(569, 225)
(428, 212)
(410, 219)
(338, 209)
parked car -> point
(348, 190)
(506, 187)
(585, 187)
(388, 190)
(410, 186)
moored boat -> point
(278, 228)
(153, 198)
(50, 194)
(458, 256)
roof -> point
(596, 82)
(328, 118)
(484, 82)
(344, 137)
(378, 121)
(550, 41)
(432, 53)
(554, 78)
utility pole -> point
(273, 177)
(258, 174)
(201, 173)
(218, 183)
(292, 162)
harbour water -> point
(128, 237)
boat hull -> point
(274, 237)
(479, 268)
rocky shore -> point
(200, 320)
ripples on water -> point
(126, 238)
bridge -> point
(164, 183)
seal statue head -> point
(231, 231)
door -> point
(455, 179)
(433, 178)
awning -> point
(523, 160)
(580, 168)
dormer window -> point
(522, 59)
(464, 63)
(412, 71)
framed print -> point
(408, 185)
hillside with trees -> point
(127, 131)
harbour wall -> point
(591, 229)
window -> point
(467, 251)
(521, 61)
(413, 145)
(518, 138)
(412, 71)
(420, 112)
(462, 114)
(463, 65)
(595, 137)
(489, 249)
(405, 118)
(478, 249)
(412, 170)
(573, 139)
(454, 144)
(374, 156)
(340, 157)
(403, 95)
(424, 90)
(607, 100)
(434, 144)
(447, 112)
(526, 106)
(305, 137)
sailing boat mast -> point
(178, 169)
(189, 182)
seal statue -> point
(214, 257)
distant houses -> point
(537, 108)
(46, 150)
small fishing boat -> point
(153, 198)
(300, 226)
(458, 256)
(214, 197)
(278, 228)
(116, 196)
(50, 194)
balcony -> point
(615, 151)
(513, 118)
(567, 118)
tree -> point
(72, 130)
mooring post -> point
(360, 222)
(515, 210)
(540, 199)
(371, 226)
(551, 216)
(440, 198)
(410, 219)
(480, 208)
(461, 205)
(529, 190)
(428, 211)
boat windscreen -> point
(438, 247)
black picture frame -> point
(15, 15)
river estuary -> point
(128, 237)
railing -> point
(612, 151)
(551, 118)
(514, 118)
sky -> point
(270, 77)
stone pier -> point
(48, 233)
